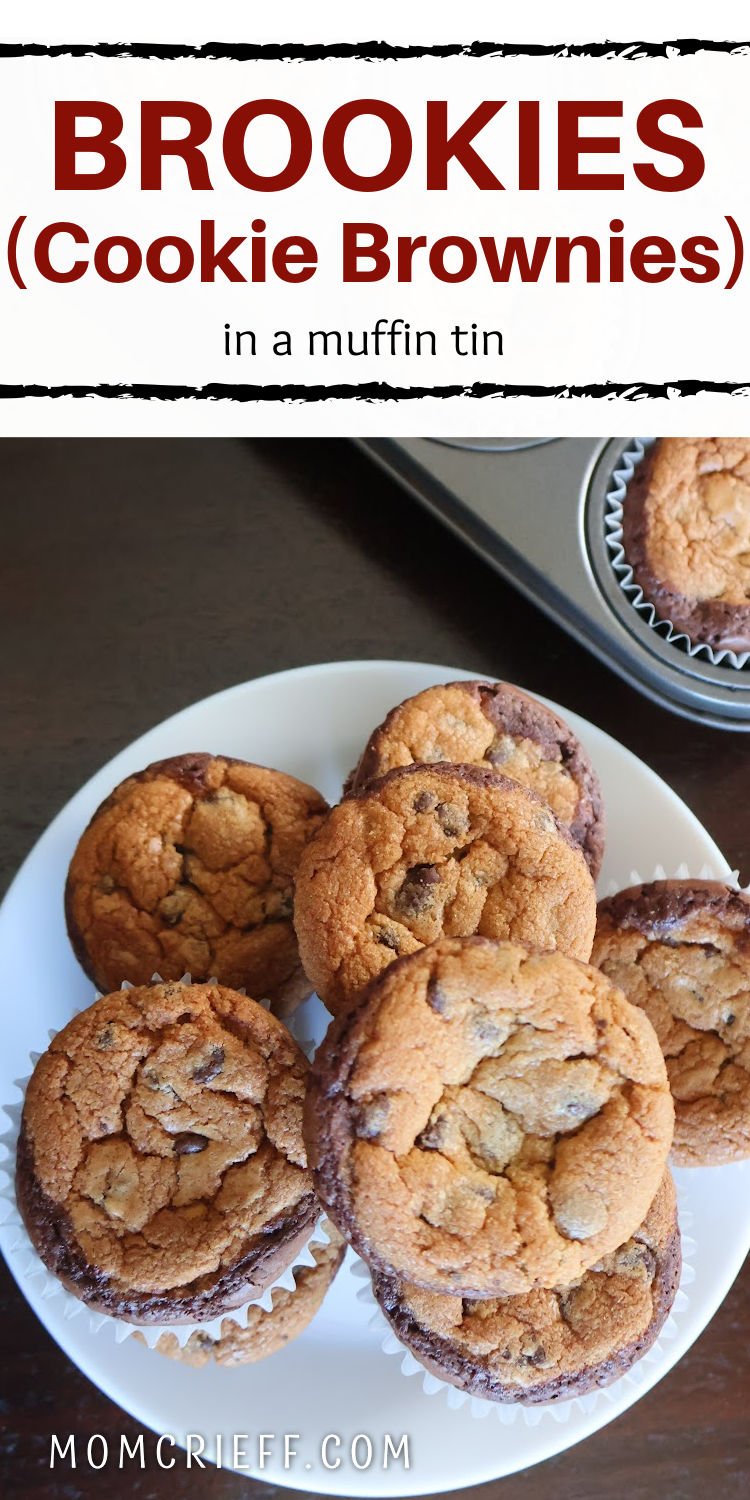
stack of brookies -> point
(161, 1167)
(488, 1119)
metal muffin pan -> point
(534, 509)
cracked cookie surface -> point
(680, 950)
(552, 1344)
(429, 851)
(686, 534)
(266, 1332)
(161, 1171)
(494, 724)
(188, 867)
(485, 1121)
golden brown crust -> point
(429, 851)
(680, 949)
(494, 724)
(162, 1172)
(266, 1332)
(686, 534)
(486, 1121)
(554, 1344)
(189, 867)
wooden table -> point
(138, 576)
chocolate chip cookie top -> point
(686, 534)
(266, 1332)
(484, 1121)
(189, 867)
(548, 1345)
(680, 949)
(494, 724)
(434, 850)
(161, 1167)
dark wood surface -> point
(138, 576)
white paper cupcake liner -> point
(682, 872)
(613, 524)
(554, 1411)
(31, 1265)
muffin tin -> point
(534, 508)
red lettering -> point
(334, 148)
(656, 253)
(133, 259)
(294, 253)
(468, 259)
(443, 148)
(571, 145)
(353, 252)
(701, 264)
(154, 146)
(68, 145)
(300, 146)
(43, 246)
(185, 259)
(219, 257)
(687, 153)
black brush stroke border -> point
(377, 391)
(373, 51)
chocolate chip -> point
(437, 999)
(172, 908)
(500, 750)
(578, 1109)
(187, 1143)
(424, 802)
(371, 1116)
(388, 938)
(434, 1135)
(452, 820)
(484, 1192)
(211, 1067)
(730, 1018)
(415, 895)
(484, 1029)
(537, 1357)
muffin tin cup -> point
(614, 501)
(32, 1265)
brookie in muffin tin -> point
(686, 536)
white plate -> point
(335, 1379)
